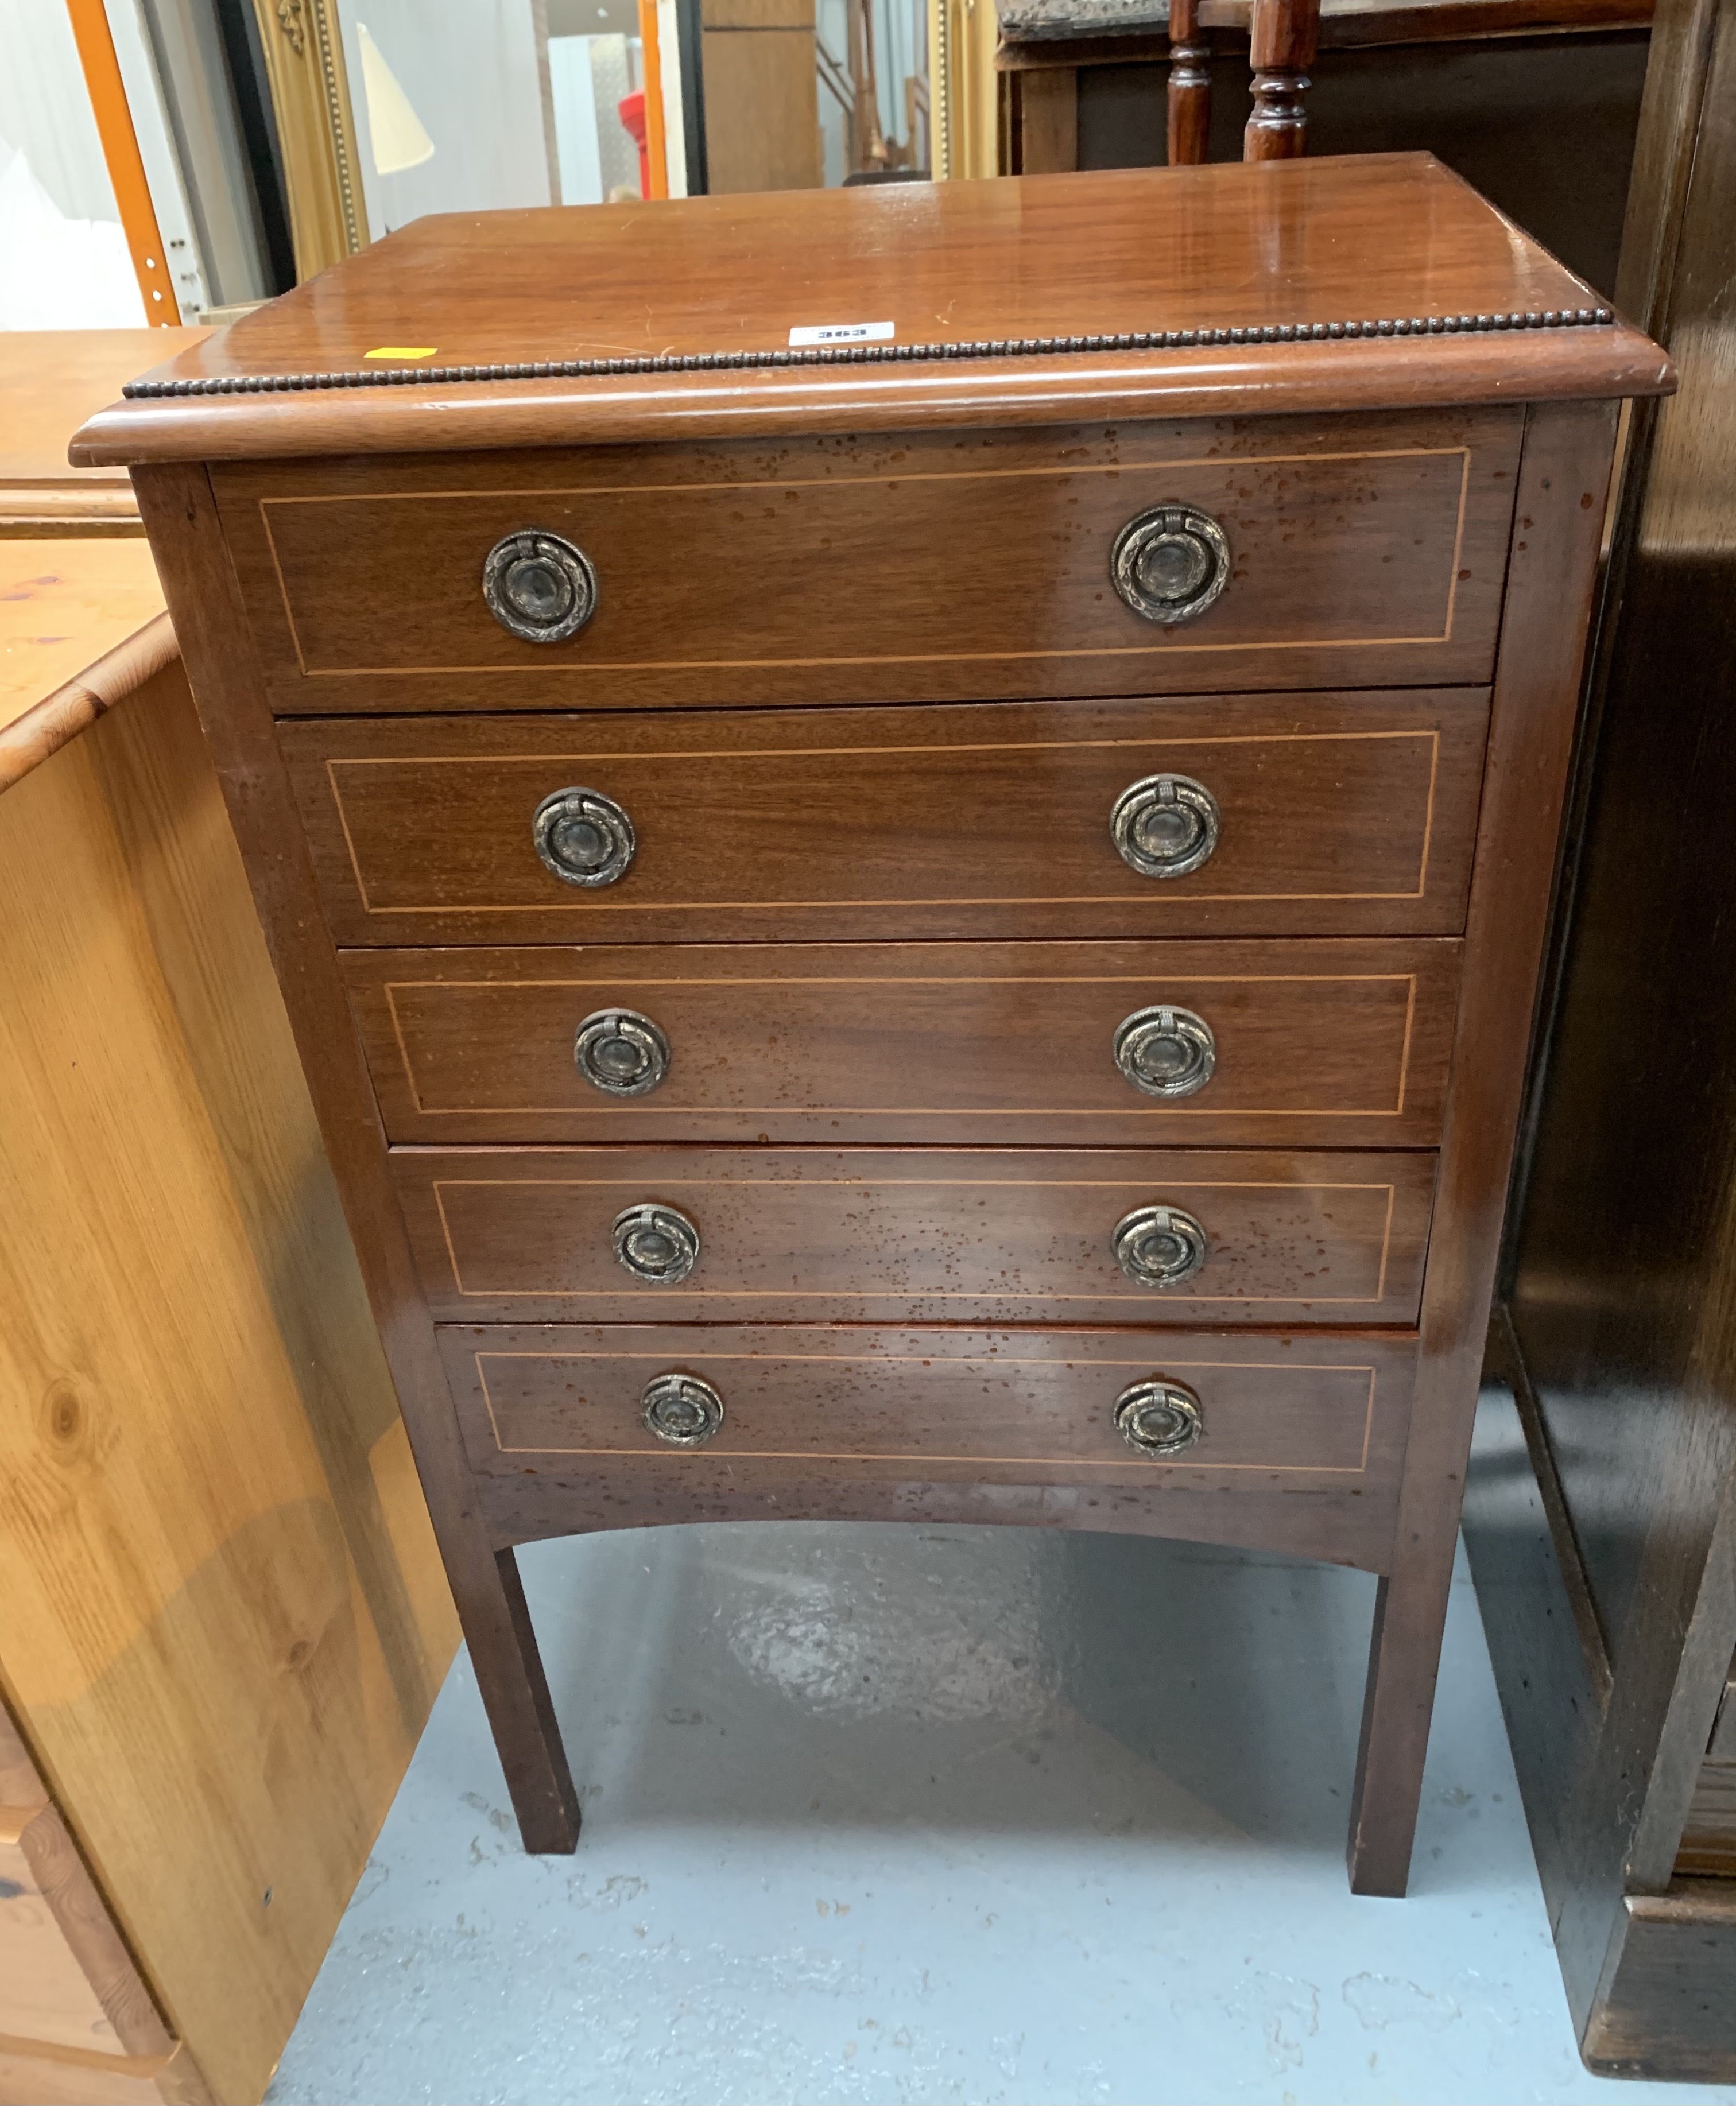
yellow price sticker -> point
(402, 351)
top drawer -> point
(1356, 551)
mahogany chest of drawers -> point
(907, 833)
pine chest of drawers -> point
(937, 923)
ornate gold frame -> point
(963, 91)
(315, 130)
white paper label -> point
(843, 333)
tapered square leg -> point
(515, 1694)
(1404, 1659)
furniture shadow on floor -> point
(957, 1678)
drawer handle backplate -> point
(583, 837)
(1165, 1052)
(1170, 564)
(1158, 1416)
(621, 1052)
(539, 587)
(1160, 1245)
(681, 1410)
(1165, 825)
(658, 1244)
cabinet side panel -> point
(1563, 479)
(199, 583)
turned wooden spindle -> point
(1189, 86)
(1284, 35)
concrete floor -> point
(877, 1813)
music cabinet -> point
(907, 833)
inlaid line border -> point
(1112, 470)
(1359, 1469)
(391, 989)
(438, 1187)
(1430, 733)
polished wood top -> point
(51, 380)
(1023, 299)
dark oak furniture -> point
(1601, 1510)
(726, 812)
(1535, 102)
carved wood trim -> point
(875, 354)
(316, 129)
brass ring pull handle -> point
(681, 1410)
(621, 1052)
(583, 837)
(1165, 825)
(657, 1244)
(1165, 1052)
(1159, 1246)
(1158, 1416)
(1170, 564)
(539, 587)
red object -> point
(631, 110)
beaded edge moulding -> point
(872, 354)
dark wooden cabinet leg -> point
(515, 1694)
(1404, 1658)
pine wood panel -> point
(914, 1236)
(64, 604)
(45, 1994)
(1341, 815)
(33, 2074)
(1318, 1044)
(50, 381)
(225, 1620)
(908, 568)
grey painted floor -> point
(927, 1815)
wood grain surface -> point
(1670, 1958)
(1370, 237)
(34, 2074)
(51, 380)
(859, 1405)
(917, 1236)
(1340, 814)
(62, 606)
(66, 1980)
(850, 537)
(225, 1620)
(40, 731)
(1323, 1044)
(1708, 1844)
(915, 568)
(178, 510)
(1563, 484)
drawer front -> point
(1331, 814)
(914, 1236)
(1315, 1044)
(1325, 1411)
(920, 566)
